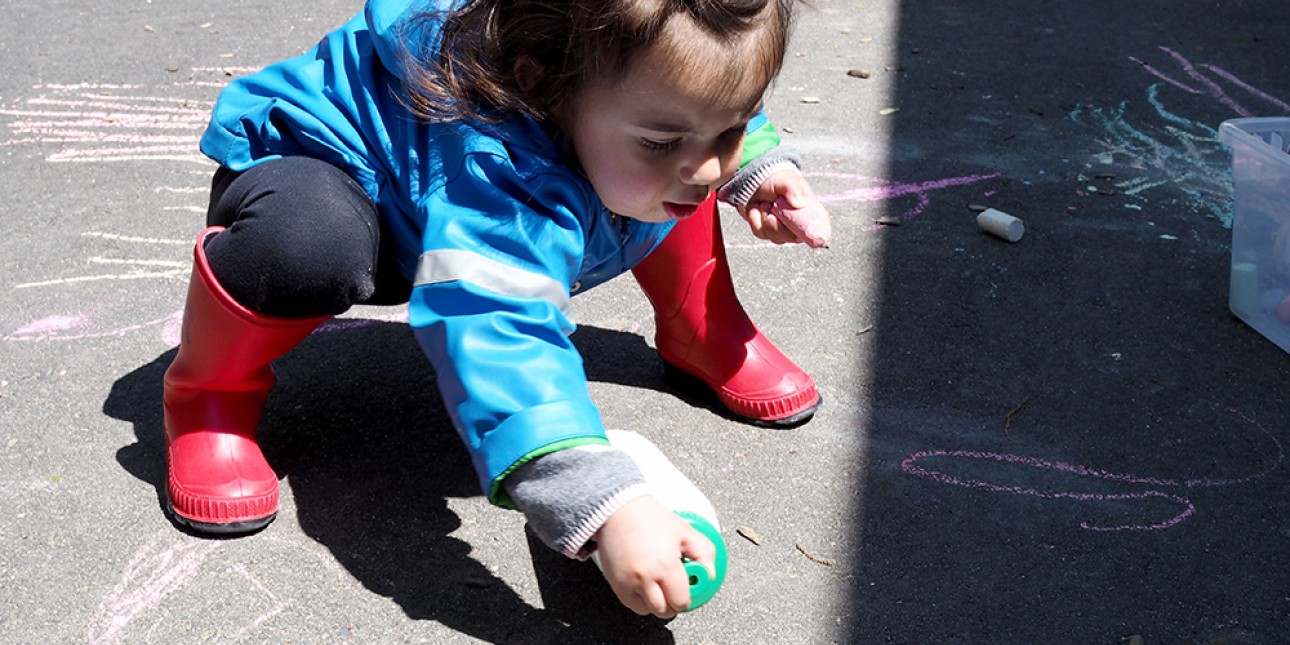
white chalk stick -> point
(1243, 289)
(1001, 224)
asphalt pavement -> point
(1066, 439)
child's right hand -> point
(787, 189)
(640, 548)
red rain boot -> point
(218, 480)
(702, 329)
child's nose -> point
(705, 171)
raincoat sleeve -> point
(490, 309)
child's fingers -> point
(699, 548)
(675, 589)
(755, 212)
(756, 219)
(657, 599)
(799, 196)
(765, 226)
(635, 600)
(773, 230)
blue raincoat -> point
(493, 228)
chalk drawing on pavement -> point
(1181, 154)
(86, 325)
(1177, 491)
(872, 189)
(107, 122)
(1171, 153)
(170, 568)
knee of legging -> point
(304, 242)
(290, 278)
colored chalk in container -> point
(1271, 299)
(1283, 311)
(1001, 224)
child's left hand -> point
(759, 213)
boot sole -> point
(691, 382)
(223, 528)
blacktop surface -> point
(1068, 439)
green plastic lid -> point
(703, 585)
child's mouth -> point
(679, 211)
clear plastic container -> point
(1259, 291)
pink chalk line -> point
(892, 190)
(277, 608)
(71, 327)
(910, 466)
(91, 127)
(60, 328)
(160, 571)
(65, 327)
(84, 86)
(1209, 86)
(155, 573)
(229, 69)
(134, 153)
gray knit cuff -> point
(567, 495)
(741, 187)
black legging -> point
(303, 239)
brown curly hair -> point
(569, 43)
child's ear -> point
(527, 73)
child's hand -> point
(640, 549)
(796, 191)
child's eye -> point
(734, 137)
(661, 147)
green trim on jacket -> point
(498, 495)
(758, 141)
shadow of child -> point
(356, 430)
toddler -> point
(483, 161)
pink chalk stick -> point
(1283, 310)
(810, 224)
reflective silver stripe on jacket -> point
(450, 265)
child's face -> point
(652, 143)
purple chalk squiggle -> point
(910, 466)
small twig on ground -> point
(1007, 423)
(814, 558)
